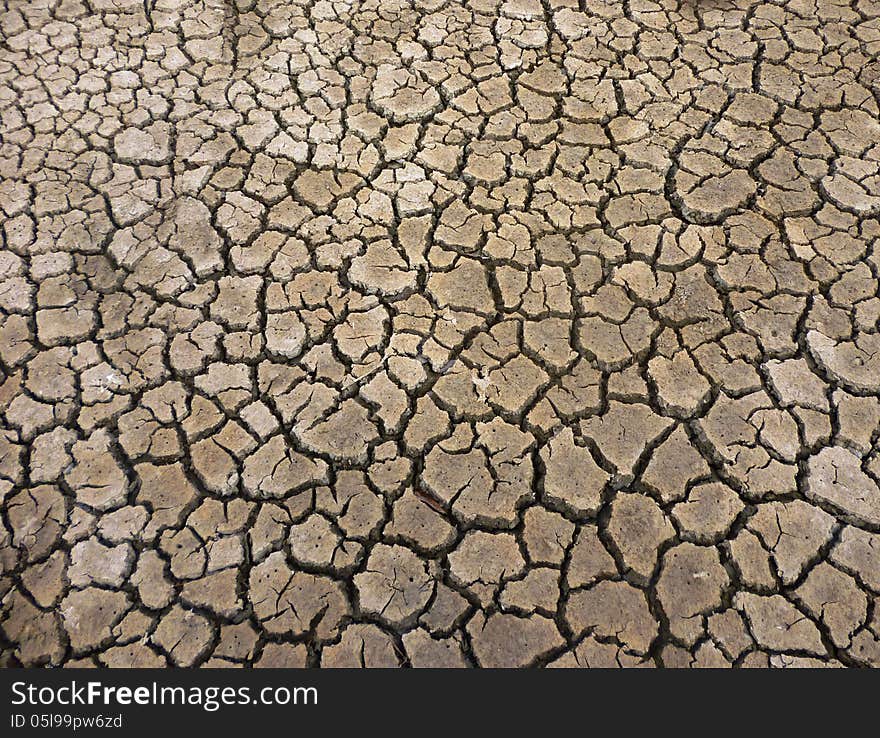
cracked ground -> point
(487, 333)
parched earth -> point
(440, 333)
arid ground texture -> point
(440, 333)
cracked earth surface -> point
(487, 333)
